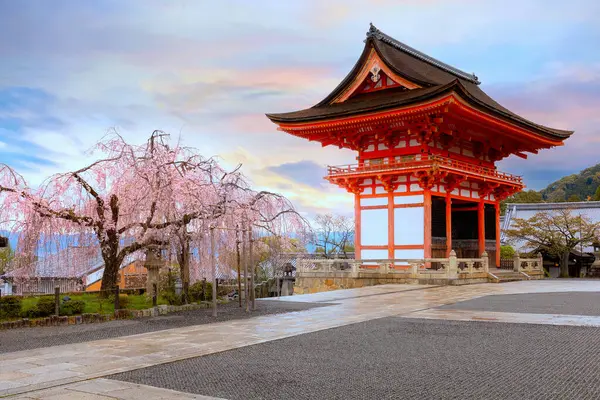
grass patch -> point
(94, 304)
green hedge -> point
(10, 306)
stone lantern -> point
(153, 264)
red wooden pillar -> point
(357, 226)
(497, 206)
(448, 225)
(427, 222)
(481, 225)
(391, 225)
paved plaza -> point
(535, 339)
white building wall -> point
(408, 225)
(373, 228)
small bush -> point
(45, 306)
(72, 307)
(171, 298)
(506, 251)
(10, 306)
(195, 292)
(123, 300)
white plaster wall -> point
(373, 227)
(376, 201)
(380, 190)
(374, 255)
(414, 187)
(368, 181)
(408, 225)
(418, 198)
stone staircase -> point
(505, 275)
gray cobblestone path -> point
(33, 338)
(396, 358)
(564, 303)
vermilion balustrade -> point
(423, 162)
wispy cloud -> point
(209, 71)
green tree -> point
(526, 196)
(556, 233)
(597, 195)
(507, 251)
(573, 198)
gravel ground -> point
(564, 303)
(397, 358)
(33, 338)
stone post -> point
(414, 270)
(452, 266)
(516, 262)
(355, 267)
(154, 294)
(384, 268)
(540, 260)
(485, 262)
(57, 301)
(152, 265)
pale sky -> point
(208, 71)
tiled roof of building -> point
(434, 77)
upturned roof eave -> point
(455, 86)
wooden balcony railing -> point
(421, 162)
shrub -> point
(195, 291)
(123, 300)
(45, 306)
(10, 306)
(506, 251)
(172, 298)
(72, 307)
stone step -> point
(507, 276)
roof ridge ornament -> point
(379, 35)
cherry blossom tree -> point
(138, 198)
(122, 202)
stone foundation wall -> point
(305, 285)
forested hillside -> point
(576, 187)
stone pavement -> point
(25, 372)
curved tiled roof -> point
(434, 77)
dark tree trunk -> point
(110, 276)
(184, 267)
(112, 263)
(564, 265)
